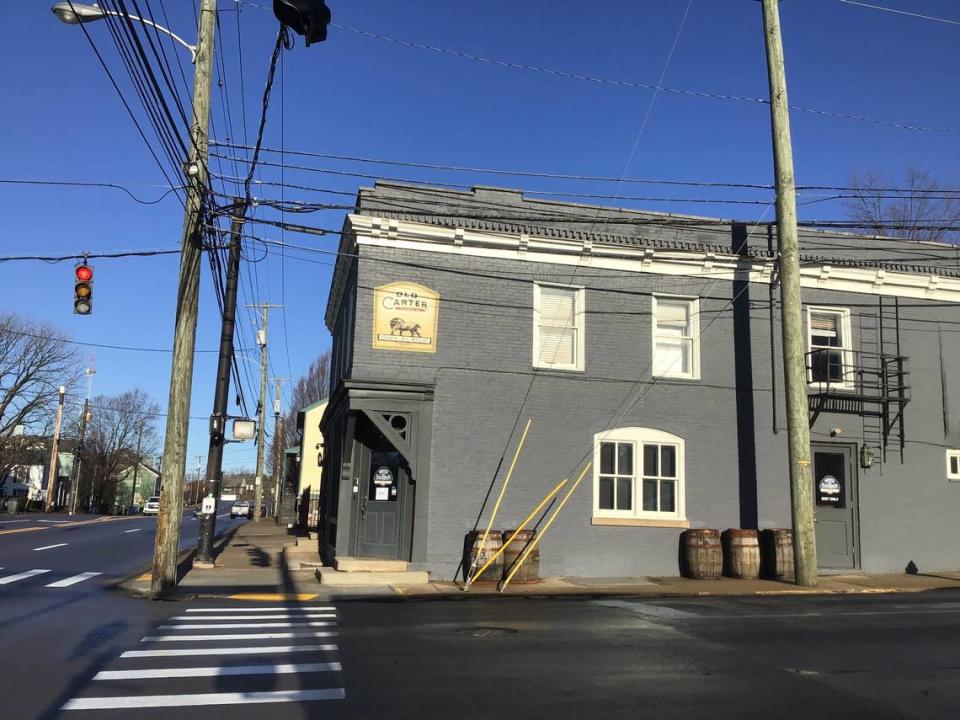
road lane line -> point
(237, 636)
(7, 522)
(145, 701)
(204, 618)
(67, 582)
(50, 547)
(55, 522)
(237, 626)
(134, 530)
(310, 608)
(21, 576)
(218, 671)
(262, 650)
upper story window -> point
(638, 473)
(830, 344)
(558, 329)
(953, 465)
(676, 337)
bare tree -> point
(111, 441)
(920, 210)
(311, 387)
(35, 359)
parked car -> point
(152, 506)
(241, 508)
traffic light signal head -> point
(305, 17)
(82, 289)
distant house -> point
(146, 478)
(29, 479)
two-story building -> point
(647, 344)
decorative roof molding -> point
(831, 274)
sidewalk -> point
(260, 561)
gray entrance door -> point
(835, 505)
(379, 527)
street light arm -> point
(76, 13)
(160, 28)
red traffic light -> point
(83, 290)
(84, 273)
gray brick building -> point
(647, 344)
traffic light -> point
(305, 17)
(83, 289)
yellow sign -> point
(405, 317)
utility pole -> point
(196, 489)
(54, 448)
(78, 457)
(167, 542)
(218, 420)
(794, 367)
(262, 342)
(278, 442)
(136, 468)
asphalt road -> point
(58, 617)
(864, 656)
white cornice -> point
(393, 233)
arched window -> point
(638, 473)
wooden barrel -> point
(701, 558)
(776, 553)
(476, 553)
(530, 570)
(741, 554)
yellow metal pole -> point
(523, 524)
(536, 540)
(496, 507)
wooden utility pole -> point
(167, 543)
(794, 367)
(221, 395)
(136, 468)
(278, 441)
(54, 450)
(262, 342)
(78, 457)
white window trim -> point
(953, 477)
(638, 436)
(694, 373)
(847, 349)
(579, 321)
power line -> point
(901, 12)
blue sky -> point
(363, 96)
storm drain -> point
(485, 631)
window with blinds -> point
(828, 340)
(676, 342)
(558, 327)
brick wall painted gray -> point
(482, 371)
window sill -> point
(553, 368)
(640, 522)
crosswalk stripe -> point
(205, 618)
(267, 650)
(134, 530)
(238, 636)
(237, 626)
(189, 672)
(141, 701)
(67, 582)
(21, 576)
(305, 608)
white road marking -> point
(67, 582)
(266, 650)
(134, 530)
(50, 547)
(238, 636)
(222, 516)
(237, 626)
(55, 522)
(21, 576)
(253, 617)
(7, 522)
(142, 701)
(189, 672)
(309, 608)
